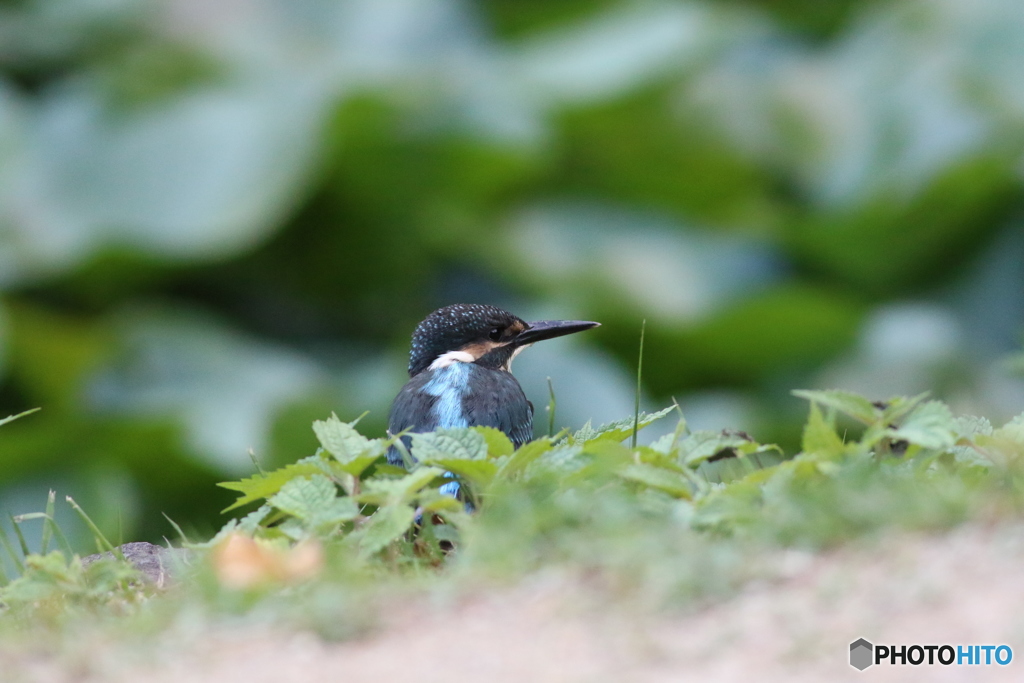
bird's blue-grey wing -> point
(413, 409)
(495, 399)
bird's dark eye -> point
(495, 333)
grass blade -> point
(551, 408)
(44, 542)
(101, 541)
(184, 538)
(21, 538)
(5, 541)
(12, 418)
(62, 540)
(256, 462)
(639, 374)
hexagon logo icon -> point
(860, 654)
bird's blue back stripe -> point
(448, 385)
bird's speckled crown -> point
(448, 328)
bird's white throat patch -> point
(446, 359)
(519, 350)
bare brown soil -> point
(963, 587)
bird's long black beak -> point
(549, 329)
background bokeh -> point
(221, 220)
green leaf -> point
(479, 473)
(701, 445)
(1007, 442)
(521, 459)
(341, 440)
(819, 436)
(584, 434)
(393, 491)
(439, 503)
(315, 500)
(620, 429)
(356, 466)
(898, 407)
(386, 525)
(446, 444)
(846, 402)
(969, 426)
(45, 576)
(969, 429)
(666, 480)
(559, 460)
(498, 444)
(930, 425)
(265, 485)
(667, 443)
(251, 522)
(601, 459)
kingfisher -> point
(460, 369)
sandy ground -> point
(963, 587)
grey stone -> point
(156, 562)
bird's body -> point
(463, 395)
(460, 368)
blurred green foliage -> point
(217, 223)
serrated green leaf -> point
(446, 444)
(584, 434)
(479, 473)
(608, 449)
(898, 407)
(404, 490)
(386, 525)
(356, 466)
(341, 440)
(673, 483)
(315, 501)
(930, 425)
(441, 504)
(848, 403)
(251, 522)
(498, 444)
(647, 454)
(265, 485)
(1007, 442)
(819, 436)
(599, 460)
(521, 459)
(620, 429)
(701, 445)
(970, 426)
(559, 460)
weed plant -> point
(687, 517)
